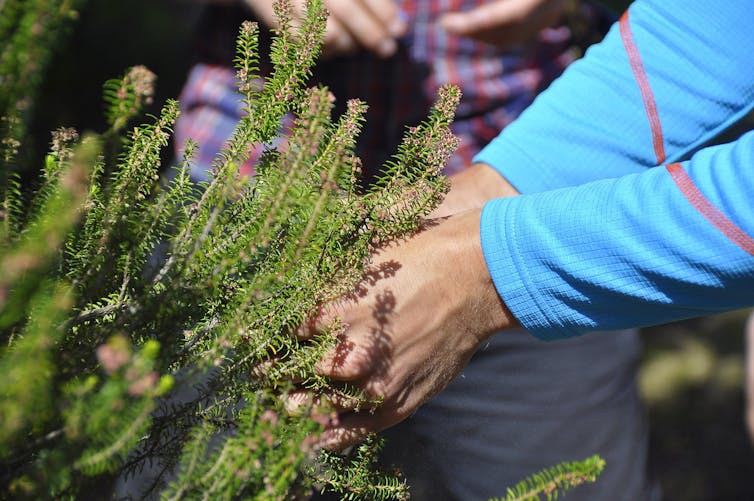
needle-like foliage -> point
(150, 323)
(146, 326)
(549, 484)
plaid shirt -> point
(497, 85)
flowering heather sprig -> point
(125, 97)
(283, 11)
(413, 183)
(139, 169)
(62, 140)
(436, 144)
(25, 264)
(310, 44)
(247, 61)
(309, 130)
(355, 110)
(9, 143)
(448, 97)
(114, 354)
(556, 480)
(295, 49)
(30, 31)
(9, 147)
(142, 80)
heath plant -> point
(147, 325)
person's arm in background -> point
(628, 250)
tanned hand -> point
(415, 327)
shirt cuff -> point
(508, 269)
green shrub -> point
(147, 323)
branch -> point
(96, 313)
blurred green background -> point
(692, 372)
(692, 380)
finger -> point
(277, 369)
(348, 361)
(261, 369)
(498, 15)
(391, 16)
(311, 327)
(326, 319)
(337, 40)
(351, 428)
(341, 437)
(364, 26)
(299, 402)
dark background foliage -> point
(108, 38)
(692, 372)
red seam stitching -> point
(637, 67)
(709, 211)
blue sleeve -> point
(624, 242)
(591, 124)
(642, 249)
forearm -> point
(644, 249)
(591, 123)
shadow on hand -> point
(376, 349)
(372, 275)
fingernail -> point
(387, 47)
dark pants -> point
(523, 405)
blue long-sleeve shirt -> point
(610, 231)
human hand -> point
(504, 22)
(415, 328)
(372, 24)
(471, 188)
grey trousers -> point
(523, 405)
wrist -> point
(487, 183)
(487, 311)
(472, 187)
